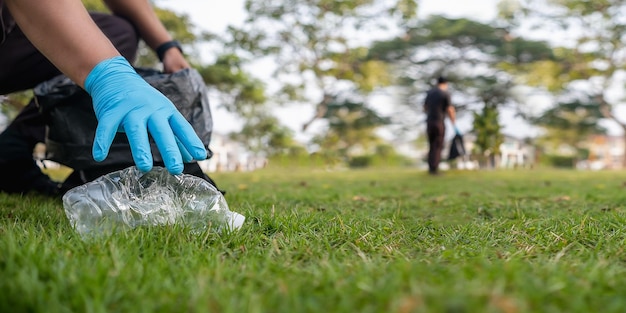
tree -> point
(351, 129)
(264, 134)
(245, 96)
(238, 91)
(487, 122)
(488, 135)
(571, 122)
(590, 52)
(315, 45)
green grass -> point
(348, 241)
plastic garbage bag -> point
(457, 147)
(129, 198)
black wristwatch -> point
(160, 50)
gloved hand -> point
(123, 101)
(456, 130)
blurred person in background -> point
(436, 106)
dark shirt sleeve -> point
(446, 101)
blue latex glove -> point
(125, 102)
(456, 130)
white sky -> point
(216, 16)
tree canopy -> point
(589, 42)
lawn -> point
(393, 240)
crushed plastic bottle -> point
(129, 198)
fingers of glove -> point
(105, 132)
(159, 128)
(188, 137)
(139, 143)
(187, 158)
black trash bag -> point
(457, 147)
(71, 122)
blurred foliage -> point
(265, 135)
(96, 6)
(351, 129)
(239, 93)
(570, 123)
(315, 46)
(488, 132)
(590, 53)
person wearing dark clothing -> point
(40, 39)
(23, 67)
(437, 105)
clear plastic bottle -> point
(129, 198)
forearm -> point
(63, 31)
(452, 114)
(142, 15)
